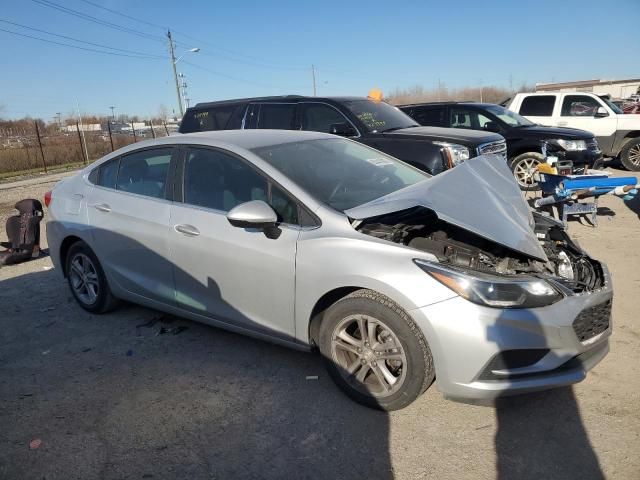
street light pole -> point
(113, 115)
(175, 73)
(174, 60)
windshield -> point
(338, 172)
(379, 117)
(612, 106)
(507, 116)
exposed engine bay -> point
(420, 228)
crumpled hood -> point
(480, 195)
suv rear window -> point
(430, 116)
(279, 116)
(538, 105)
(214, 118)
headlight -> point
(456, 154)
(491, 290)
(572, 145)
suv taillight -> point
(47, 198)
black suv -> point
(372, 123)
(525, 139)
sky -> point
(254, 48)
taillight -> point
(47, 198)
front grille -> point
(592, 321)
(495, 148)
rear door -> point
(128, 211)
(235, 275)
(540, 109)
(277, 116)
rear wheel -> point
(524, 167)
(375, 352)
(630, 155)
(87, 281)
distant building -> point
(85, 127)
(617, 89)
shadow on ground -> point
(110, 398)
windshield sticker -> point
(370, 120)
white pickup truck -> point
(618, 135)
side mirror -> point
(601, 112)
(342, 129)
(253, 214)
(492, 127)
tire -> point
(394, 335)
(522, 166)
(87, 281)
(630, 155)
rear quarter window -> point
(209, 119)
(538, 105)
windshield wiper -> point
(392, 129)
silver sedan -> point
(318, 242)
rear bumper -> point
(483, 353)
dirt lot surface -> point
(109, 398)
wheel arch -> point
(321, 306)
(64, 251)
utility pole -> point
(59, 120)
(172, 56)
(313, 75)
(113, 115)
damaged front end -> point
(566, 265)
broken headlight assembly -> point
(492, 290)
(455, 154)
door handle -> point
(188, 230)
(103, 207)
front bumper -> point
(469, 343)
(590, 158)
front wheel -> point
(375, 352)
(630, 155)
(524, 167)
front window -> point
(339, 172)
(579, 106)
(507, 116)
(379, 117)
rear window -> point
(538, 106)
(205, 120)
(278, 116)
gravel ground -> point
(109, 398)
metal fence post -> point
(153, 132)
(84, 158)
(110, 135)
(44, 163)
(133, 129)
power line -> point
(73, 46)
(93, 19)
(230, 77)
(229, 53)
(141, 54)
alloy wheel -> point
(84, 279)
(369, 355)
(634, 155)
(525, 170)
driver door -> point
(238, 276)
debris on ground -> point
(35, 444)
(312, 377)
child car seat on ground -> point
(23, 231)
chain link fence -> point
(38, 148)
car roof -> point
(281, 98)
(249, 139)
(462, 102)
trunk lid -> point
(480, 195)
